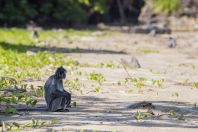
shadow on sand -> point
(118, 113)
(23, 48)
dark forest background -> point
(66, 12)
(75, 12)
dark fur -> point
(172, 42)
(57, 98)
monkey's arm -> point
(68, 97)
(63, 93)
(60, 93)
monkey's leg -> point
(65, 104)
(56, 104)
(68, 100)
(64, 94)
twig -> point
(125, 68)
(157, 116)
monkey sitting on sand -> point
(56, 97)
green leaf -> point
(43, 123)
(34, 102)
(53, 120)
(97, 89)
(37, 122)
(130, 91)
(196, 84)
(27, 125)
(33, 121)
(74, 104)
(173, 112)
(16, 124)
(3, 126)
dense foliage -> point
(71, 12)
(167, 6)
(14, 11)
(67, 12)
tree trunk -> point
(121, 12)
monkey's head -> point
(60, 73)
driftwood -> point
(144, 104)
(148, 28)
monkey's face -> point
(61, 73)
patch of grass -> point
(36, 123)
(20, 65)
(174, 114)
(74, 84)
(101, 65)
(16, 36)
(137, 82)
(72, 63)
(196, 84)
(98, 77)
(16, 96)
(106, 65)
(79, 32)
(186, 82)
(97, 89)
(153, 71)
(142, 115)
(175, 94)
(181, 117)
(157, 83)
(146, 51)
(38, 91)
(140, 90)
(22, 57)
(167, 6)
(82, 130)
(74, 104)
(4, 83)
(113, 131)
(187, 65)
(130, 91)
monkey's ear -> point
(63, 67)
